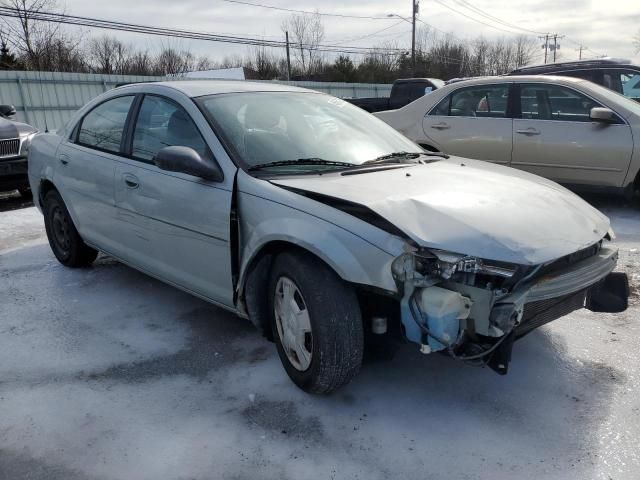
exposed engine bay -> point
(474, 309)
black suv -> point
(15, 138)
(614, 73)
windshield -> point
(265, 127)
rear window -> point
(102, 127)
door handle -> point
(528, 131)
(64, 159)
(131, 181)
(441, 126)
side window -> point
(400, 95)
(162, 123)
(480, 101)
(102, 127)
(553, 102)
(630, 81)
(417, 91)
(613, 80)
(442, 109)
(585, 74)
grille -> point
(9, 148)
(568, 260)
(539, 313)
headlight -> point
(443, 264)
(451, 263)
(26, 143)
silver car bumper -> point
(580, 275)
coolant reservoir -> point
(443, 310)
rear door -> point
(85, 171)
(473, 122)
(555, 138)
(177, 225)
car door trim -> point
(573, 167)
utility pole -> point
(545, 46)
(580, 50)
(288, 57)
(414, 10)
(556, 46)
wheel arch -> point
(44, 187)
(254, 278)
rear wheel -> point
(65, 242)
(316, 323)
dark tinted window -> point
(400, 95)
(162, 123)
(585, 74)
(553, 102)
(103, 126)
(480, 101)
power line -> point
(293, 10)
(472, 18)
(470, 6)
(178, 33)
(349, 40)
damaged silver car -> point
(319, 223)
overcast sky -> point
(604, 27)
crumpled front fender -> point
(354, 259)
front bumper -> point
(13, 173)
(491, 318)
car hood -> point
(11, 129)
(470, 207)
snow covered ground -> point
(108, 374)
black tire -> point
(337, 334)
(64, 240)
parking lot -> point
(107, 373)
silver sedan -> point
(319, 223)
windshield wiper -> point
(300, 161)
(401, 157)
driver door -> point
(177, 226)
(555, 138)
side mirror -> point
(187, 160)
(7, 110)
(604, 115)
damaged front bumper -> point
(479, 320)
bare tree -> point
(263, 62)
(171, 61)
(107, 54)
(306, 32)
(525, 50)
(33, 39)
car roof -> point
(516, 78)
(199, 88)
(593, 63)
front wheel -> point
(64, 239)
(316, 323)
